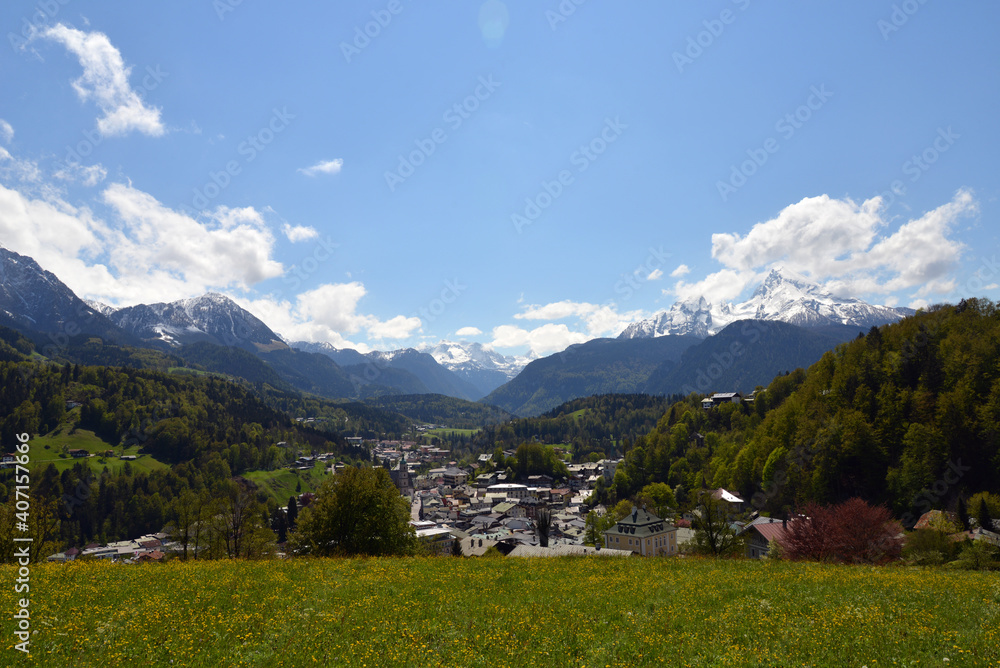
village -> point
(475, 508)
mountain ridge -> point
(782, 296)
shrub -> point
(977, 555)
(929, 547)
(851, 532)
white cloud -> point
(556, 310)
(398, 327)
(284, 318)
(323, 167)
(544, 340)
(299, 232)
(724, 285)
(842, 245)
(589, 321)
(88, 176)
(26, 171)
(105, 80)
(231, 249)
(469, 331)
(655, 275)
(329, 313)
(681, 270)
(991, 286)
(6, 131)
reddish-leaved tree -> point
(851, 532)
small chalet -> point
(720, 398)
(78, 452)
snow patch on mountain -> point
(212, 317)
(469, 356)
(783, 296)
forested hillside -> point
(600, 366)
(442, 409)
(194, 434)
(745, 354)
(908, 415)
(598, 426)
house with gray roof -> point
(643, 533)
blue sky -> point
(523, 174)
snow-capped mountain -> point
(693, 317)
(481, 366)
(100, 307)
(33, 298)
(428, 374)
(782, 296)
(211, 317)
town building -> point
(643, 533)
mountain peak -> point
(212, 317)
(783, 295)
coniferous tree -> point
(543, 526)
(963, 514)
(293, 512)
(279, 524)
(985, 521)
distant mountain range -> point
(406, 369)
(486, 369)
(781, 297)
(788, 322)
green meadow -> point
(505, 612)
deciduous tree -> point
(358, 511)
(849, 532)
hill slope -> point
(908, 415)
(742, 356)
(601, 366)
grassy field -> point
(505, 612)
(84, 439)
(282, 483)
(450, 432)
